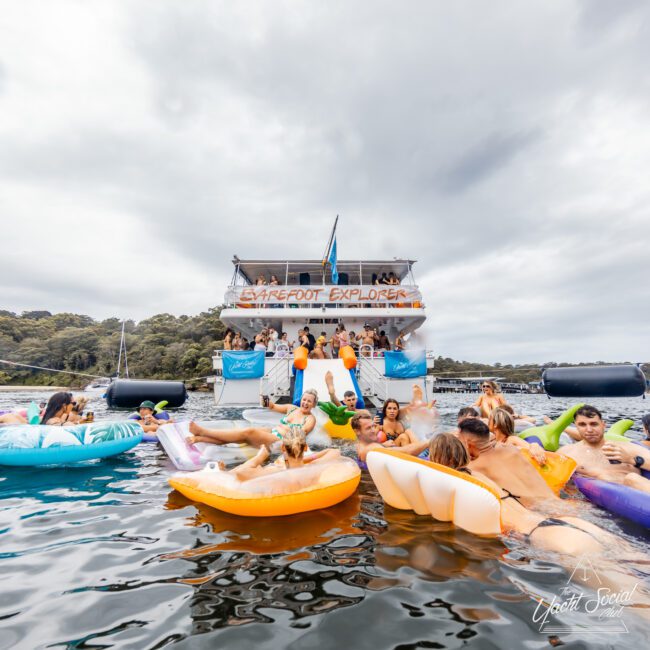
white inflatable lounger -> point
(261, 417)
(410, 483)
(186, 457)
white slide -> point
(314, 377)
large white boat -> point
(307, 297)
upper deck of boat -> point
(305, 293)
(307, 284)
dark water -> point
(107, 555)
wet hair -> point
(355, 420)
(56, 402)
(502, 420)
(390, 400)
(446, 449)
(588, 411)
(294, 441)
(646, 422)
(313, 393)
(349, 393)
(467, 412)
(507, 407)
(474, 427)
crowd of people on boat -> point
(369, 342)
(381, 278)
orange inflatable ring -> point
(349, 358)
(300, 356)
(556, 471)
(312, 487)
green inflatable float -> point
(548, 435)
(616, 433)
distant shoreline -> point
(14, 389)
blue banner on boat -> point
(242, 364)
(403, 365)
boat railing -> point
(277, 382)
(371, 381)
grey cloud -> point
(484, 159)
(433, 136)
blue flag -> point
(332, 260)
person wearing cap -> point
(368, 338)
(146, 417)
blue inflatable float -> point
(617, 499)
(37, 444)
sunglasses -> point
(486, 386)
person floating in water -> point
(490, 399)
(301, 416)
(598, 459)
(293, 447)
(366, 431)
(147, 419)
(349, 396)
(503, 464)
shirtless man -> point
(366, 431)
(349, 397)
(504, 464)
(367, 337)
(594, 457)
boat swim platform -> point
(278, 382)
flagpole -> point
(331, 239)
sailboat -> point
(101, 384)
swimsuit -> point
(510, 495)
(551, 521)
(285, 421)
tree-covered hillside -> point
(160, 347)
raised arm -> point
(329, 382)
(281, 408)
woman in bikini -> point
(490, 399)
(502, 425)
(570, 535)
(294, 416)
(393, 429)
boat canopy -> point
(297, 272)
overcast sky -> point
(504, 145)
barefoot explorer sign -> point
(351, 294)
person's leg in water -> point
(246, 470)
(12, 418)
(254, 436)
